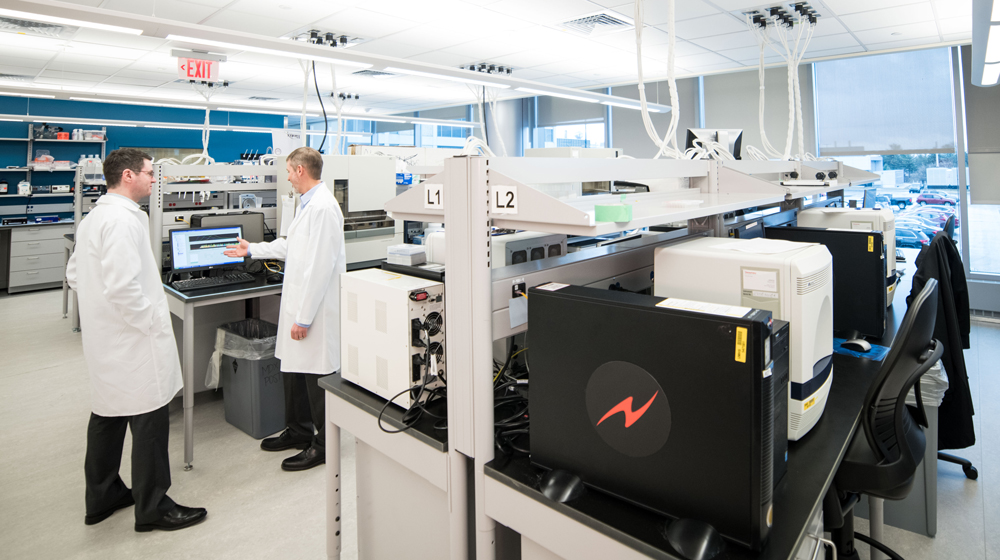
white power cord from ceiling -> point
(668, 144)
(492, 95)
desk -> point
(600, 526)
(182, 305)
(404, 479)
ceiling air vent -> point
(600, 23)
(14, 25)
(16, 78)
(378, 75)
(261, 98)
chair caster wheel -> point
(970, 472)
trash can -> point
(253, 388)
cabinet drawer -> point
(34, 233)
(40, 247)
(43, 276)
(37, 262)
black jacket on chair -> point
(942, 261)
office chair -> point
(967, 467)
(886, 449)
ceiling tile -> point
(430, 37)
(17, 40)
(919, 42)
(835, 52)
(70, 62)
(724, 42)
(899, 15)
(365, 23)
(303, 11)
(958, 36)
(564, 67)
(905, 32)
(749, 54)
(179, 10)
(952, 26)
(91, 3)
(828, 26)
(388, 47)
(952, 8)
(708, 26)
(547, 12)
(117, 39)
(105, 51)
(527, 59)
(442, 58)
(418, 12)
(655, 13)
(531, 74)
(266, 25)
(832, 42)
(19, 54)
(486, 49)
(736, 5)
(134, 81)
(842, 7)
(681, 48)
(23, 68)
(700, 60)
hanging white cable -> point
(763, 40)
(809, 29)
(496, 126)
(338, 104)
(668, 145)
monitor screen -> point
(730, 138)
(869, 199)
(202, 248)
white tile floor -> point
(258, 511)
(255, 510)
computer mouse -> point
(857, 345)
(561, 486)
(693, 539)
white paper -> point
(762, 246)
(705, 307)
(762, 283)
(862, 226)
(552, 286)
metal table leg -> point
(332, 487)
(76, 312)
(875, 513)
(187, 367)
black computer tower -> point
(669, 409)
(779, 382)
(859, 275)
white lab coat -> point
(314, 260)
(128, 340)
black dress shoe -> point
(178, 518)
(123, 502)
(308, 459)
(284, 441)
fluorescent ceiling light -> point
(563, 95)
(376, 119)
(252, 110)
(12, 120)
(262, 50)
(39, 95)
(462, 124)
(65, 21)
(447, 77)
(626, 106)
(150, 103)
(991, 72)
(192, 127)
(993, 43)
(260, 130)
(61, 120)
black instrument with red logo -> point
(667, 408)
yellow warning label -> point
(809, 404)
(741, 345)
(893, 287)
(871, 243)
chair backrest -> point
(949, 227)
(889, 426)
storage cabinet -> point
(37, 257)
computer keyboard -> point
(213, 281)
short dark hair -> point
(121, 159)
(308, 158)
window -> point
(893, 103)
(564, 123)
(587, 135)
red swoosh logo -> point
(625, 407)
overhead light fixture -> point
(563, 95)
(144, 103)
(61, 120)
(461, 124)
(376, 119)
(446, 77)
(263, 50)
(64, 21)
(173, 127)
(626, 106)
(263, 112)
(12, 120)
(39, 95)
(261, 131)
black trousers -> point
(305, 407)
(150, 463)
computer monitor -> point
(202, 248)
(731, 138)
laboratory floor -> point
(258, 511)
(255, 510)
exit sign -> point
(194, 69)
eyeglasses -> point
(150, 173)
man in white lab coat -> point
(308, 342)
(131, 355)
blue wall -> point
(224, 146)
